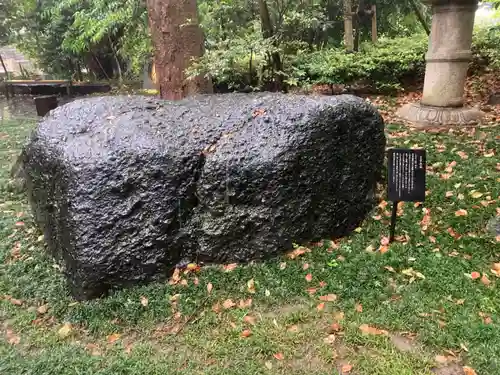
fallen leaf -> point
(176, 277)
(454, 234)
(309, 277)
(113, 338)
(93, 349)
(16, 302)
(460, 301)
(321, 306)
(461, 212)
(334, 327)
(246, 333)
(339, 315)
(485, 280)
(449, 194)
(330, 339)
(268, 365)
(462, 155)
(251, 286)
(359, 307)
(441, 359)
(227, 304)
(328, 298)
(65, 330)
(469, 371)
(311, 291)
(196, 281)
(384, 241)
(476, 194)
(216, 308)
(12, 338)
(475, 275)
(249, 319)
(245, 304)
(229, 267)
(42, 309)
(301, 250)
(282, 265)
(322, 284)
(144, 301)
(305, 266)
(346, 368)
(293, 328)
(383, 249)
(279, 356)
(209, 288)
(366, 329)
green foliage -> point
(390, 62)
(485, 48)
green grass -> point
(444, 312)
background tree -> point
(177, 39)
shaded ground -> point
(427, 304)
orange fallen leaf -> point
(461, 212)
(311, 291)
(245, 304)
(227, 304)
(335, 327)
(366, 329)
(309, 277)
(469, 370)
(346, 368)
(229, 267)
(246, 333)
(383, 249)
(449, 194)
(279, 356)
(176, 277)
(485, 280)
(113, 338)
(305, 266)
(301, 250)
(328, 298)
(249, 319)
(384, 241)
(454, 234)
(475, 275)
(359, 307)
(321, 306)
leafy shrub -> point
(485, 48)
(391, 62)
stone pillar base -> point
(422, 116)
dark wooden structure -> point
(44, 104)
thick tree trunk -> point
(177, 39)
(4, 68)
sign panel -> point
(406, 175)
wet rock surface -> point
(125, 188)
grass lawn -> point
(427, 304)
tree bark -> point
(348, 32)
(268, 32)
(177, 39)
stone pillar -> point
(447, 61)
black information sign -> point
(406, 179)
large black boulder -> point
(125, 188)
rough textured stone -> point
(125, 188)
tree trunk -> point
(268, 32)
(177, 39)
(348, 33)
(117, 61)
